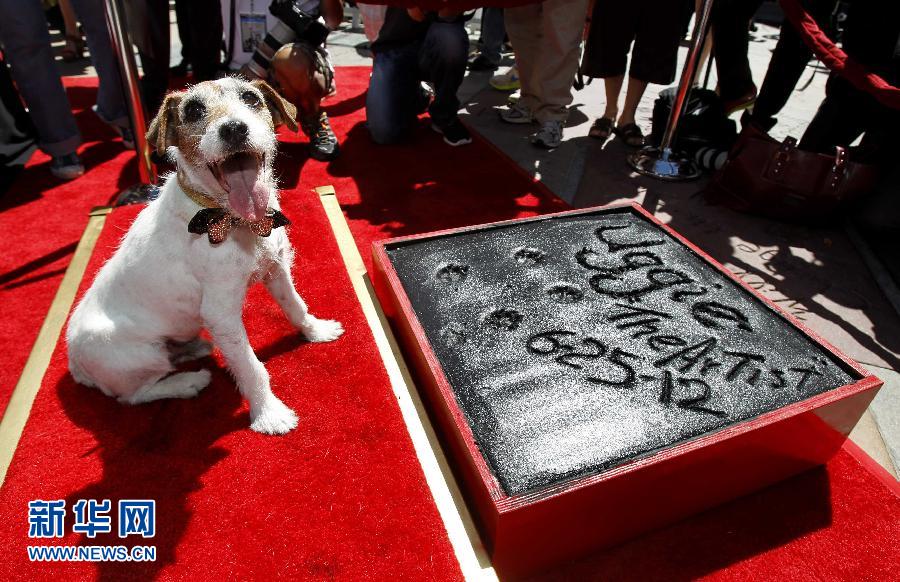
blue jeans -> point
(394, 96)
(26, 43)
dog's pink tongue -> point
(248, 198)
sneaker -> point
(481, 63)
(323, 144)
(508, 81)
(67, 167)
(549, 136)
(455, 133)
(517, 113)
(181, 69)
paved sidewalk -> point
(816, 274)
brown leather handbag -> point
(763, 176)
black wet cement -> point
(575, 344)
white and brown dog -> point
(145, 310)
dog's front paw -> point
(274, 418)
(322, 330)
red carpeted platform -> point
(343, 496)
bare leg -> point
(613, 86)
(69, 18)
(74, 49)
(633, 97)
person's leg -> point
(26, 43)
(731, 19)
(613, 88)
(523, 25)
(789, 60)
(74, 48)
(633, 96)
(493, 30)
(69, 18)
(392, 95)
(152, 16)
(837, 121)
(300, 74)
(613, 27)
(185, 29)
(442, 61)
(654, 57)
(111, 105)
(562, 26)
(206, 46)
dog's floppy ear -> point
(162, 129)
(282, 110)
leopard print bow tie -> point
(217, 223)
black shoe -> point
(180, 70)
(454, 132)
(323, 144)
(480, 63)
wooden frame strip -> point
(471, 554)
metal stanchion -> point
(118, 31)
(663, 162)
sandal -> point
(631, 134)
(74, 49)
(602, 128)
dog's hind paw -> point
(182, 385)
(274, 418)
(322, 330)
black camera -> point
(307, 27)
(294, 25)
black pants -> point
(17, 133)
(730, 21)
(649, 29)
(204, 41)
(788, 62)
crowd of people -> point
(421, 57)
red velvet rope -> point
(836, 59)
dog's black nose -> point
(234, 133)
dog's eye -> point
(194, 111)
(250, 98)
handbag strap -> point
(839, 169)
(782, 155)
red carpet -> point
(343, 496)
(42, 219)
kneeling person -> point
(293, 58)
(412, 47)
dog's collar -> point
(199, 198)
(216, 222)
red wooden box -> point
(528, 532)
